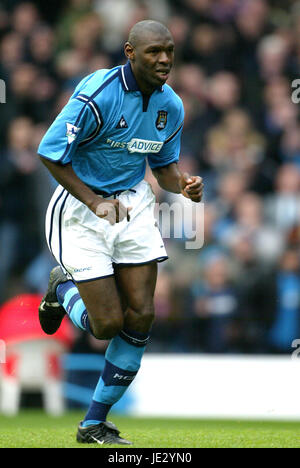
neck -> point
(145, 87)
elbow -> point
(42, 159)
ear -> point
(129, 51)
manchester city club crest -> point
(161, 120)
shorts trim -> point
(52, 219)
(93, 279)
(60, 230)
(158, 260)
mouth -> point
(163, 74)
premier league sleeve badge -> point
(161, 120)
(72, 132)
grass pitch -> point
(34, 429)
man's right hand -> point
(112, 211)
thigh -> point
(136, 284)
(140, 240)
(80, 241)
(101, 299)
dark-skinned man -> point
(100, 223)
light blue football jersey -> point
(109, 129)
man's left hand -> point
(191, 187)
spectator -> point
(17, 166)
(290, 145)
(249, 220)
(255, 294)
(216, 306)
(282, 208)
(286, 324)
(235, 144)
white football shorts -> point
(87, 247)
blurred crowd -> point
(236, 61)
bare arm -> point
(66, 177)
(170, 178)
(112, 210)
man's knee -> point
(105, 329)
(144, 312)
(148, 313)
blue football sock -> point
(122, 358)
(69, 297)
(122, 362)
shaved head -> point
(150, 50)
(141, 31)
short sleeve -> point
(171, 149)
(75, 125)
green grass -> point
(33, 429)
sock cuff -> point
(85, 322)
(134, 338)
(97, 412)
(62, 289)
(116, 376)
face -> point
(151, 59)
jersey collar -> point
(128, 80)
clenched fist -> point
(191, 187)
